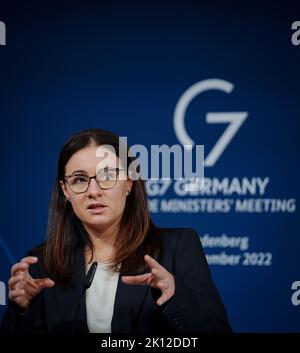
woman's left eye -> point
(107, 176)
(79, 180)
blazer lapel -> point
(128, 304)
(69, 301)
(67, 306)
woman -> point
(148, 280)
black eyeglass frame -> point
(93, 177)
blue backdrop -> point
(124, 66)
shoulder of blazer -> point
(174, 234)
(171, 237)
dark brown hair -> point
(66, 235)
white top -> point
(100, 298)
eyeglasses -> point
(79, 183)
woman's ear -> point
(129, 185)
(64, 190)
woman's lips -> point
(96, 209)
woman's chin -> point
(99, 221)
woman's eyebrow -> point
(105, 169)
(79, 171)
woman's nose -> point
(93, 188)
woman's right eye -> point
(79, 180)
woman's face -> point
(96, 208)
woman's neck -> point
(103, 242)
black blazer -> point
(195, 306)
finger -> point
(21, 302)
(24, 282)
(16, 293)
(159, 274)
(44, 283)
(162, 299)
(162, 285)
(20, 285)
(19, 267)
(29, 260)
(153, 263)
(14, 280)
(23, 265)
(139, 279)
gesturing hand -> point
(22, 287)
(159, 278)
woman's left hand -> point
(159, 278)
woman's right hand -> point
(22, 287)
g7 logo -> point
(235, 119)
